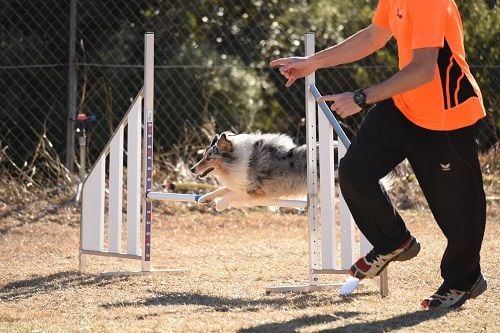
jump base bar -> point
(167, 196)
(303, 288)
(152, 271)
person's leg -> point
(447, 167)
(373, 153)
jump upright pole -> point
(148, 146)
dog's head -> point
(214, 155)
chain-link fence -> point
(211, 70)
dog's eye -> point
(212, 151)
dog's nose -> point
(193, 170)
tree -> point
(211, 59)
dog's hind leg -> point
(209, 197)
(234, 199)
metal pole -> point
(72, 88)
(82, 144)
(331, 118)
(82, 140)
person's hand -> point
(293, 68)
(343, 104)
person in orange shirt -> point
(424, 113)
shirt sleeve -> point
(427, 23)
(381, 17)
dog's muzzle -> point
(204, 174)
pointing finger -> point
(279, 62)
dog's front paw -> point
(207, 198)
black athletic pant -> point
(447, 168)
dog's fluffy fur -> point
(254, 169)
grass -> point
(231, 257)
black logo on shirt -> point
(399, 14)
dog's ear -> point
(224, 143)
(214, 140)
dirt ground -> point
(231, 257)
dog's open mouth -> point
(204, 174)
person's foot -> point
(373, 263)
(452, 299)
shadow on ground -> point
(385, 325)
(24, 289)
(227, 304)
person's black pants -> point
(447, 168)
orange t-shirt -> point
(453, 99)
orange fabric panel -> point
(433, 23)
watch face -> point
(359, 98)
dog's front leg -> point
(227, 201)
(209, 197)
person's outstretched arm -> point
(419, 71)
(358, 46)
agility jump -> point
(322, 228)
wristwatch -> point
(360, 98)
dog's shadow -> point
(225, 304)
(24, 289)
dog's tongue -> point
(206, 172)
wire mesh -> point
(211, 72)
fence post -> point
(72, 88)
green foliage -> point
(482, 40)
(211, 57)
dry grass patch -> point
(231, 257)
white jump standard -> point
(324, 253)
(93, 199)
